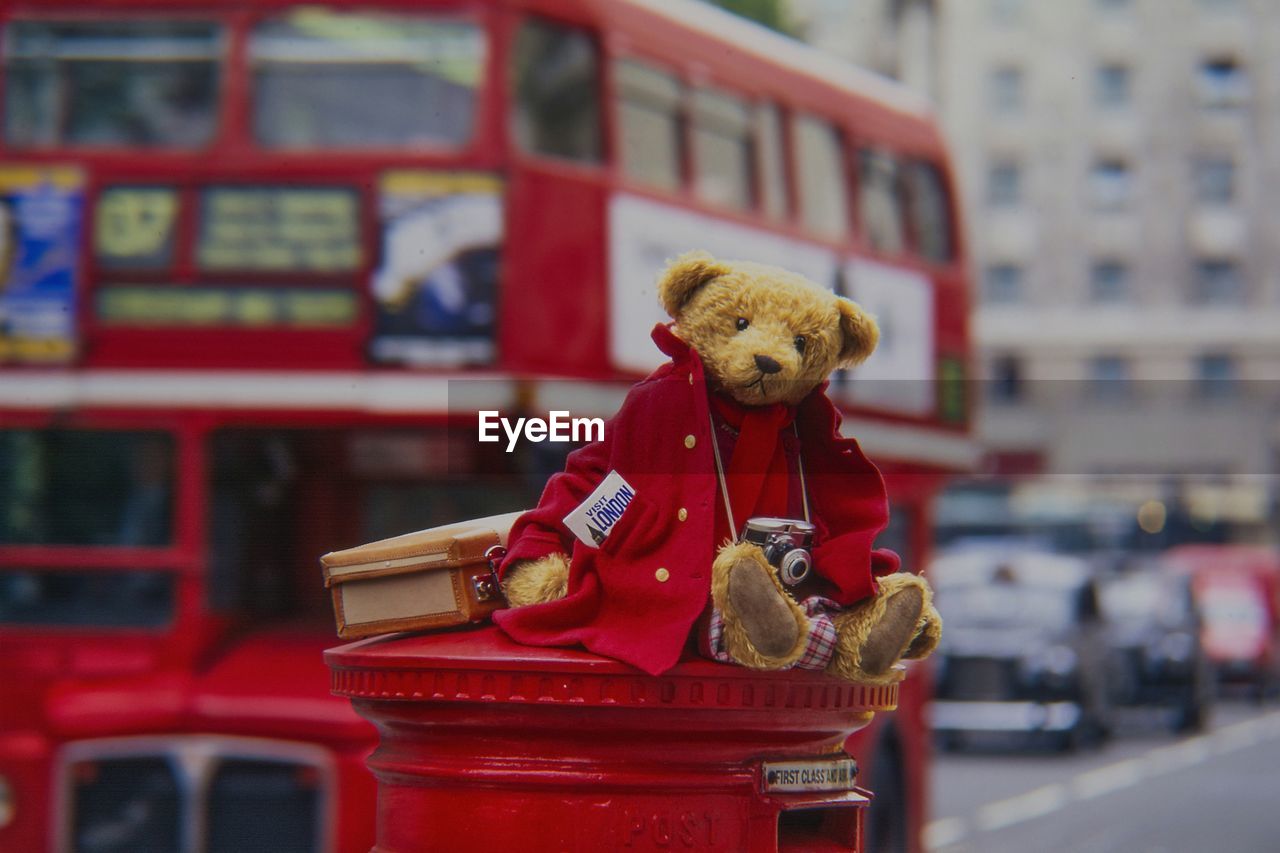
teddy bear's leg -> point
(764, 628)
(537, 581)
(875, 634)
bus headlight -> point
(7, 806)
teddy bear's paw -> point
(927, 635)
(537, 581)
(764, 628)
(877, 633)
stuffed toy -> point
(633, 550)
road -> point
(1142, 793)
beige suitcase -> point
(434, 578)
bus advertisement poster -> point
(41, 209)
(435, 295)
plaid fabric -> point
(822, 634)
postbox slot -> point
(817, 829)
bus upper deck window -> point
(930, 210)
(111, 84)
(649, 124)
(824, 203)
(771, 156)
(326, 79)
(556, 92)
(722, 149)
(880, 202)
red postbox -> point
(488, 745)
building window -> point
(1215, 180)
(1114, 5)
(1006, 91)
(1006, 379)
(1222, 83)
(1112, 87)
(880, 201)
(771, 157)
(555, 79)
(722, 149)
(1002, 284)
(1218, 282)
(1007, 11)
(824, 201)
(650, 122)
(1109, 378)
(1216, 376)
(1109, 282)
(1004, 184)
(1111, 184)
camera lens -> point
(794, 567)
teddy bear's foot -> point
(764, 628)
(928, 636)
(537, 581)
(877, 633)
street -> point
(1141, 793)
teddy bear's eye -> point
(743, 322)
(800, 343)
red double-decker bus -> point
(244, 248)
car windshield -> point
(326, 79)
(1143, 600)
(1013, 606)
(86, 487)
(1233, 606)
(86, 598)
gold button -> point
(662, 575)
(682, 514)
(690, 441)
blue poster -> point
(41, 211)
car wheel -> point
(887, 816)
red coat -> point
(636, 597)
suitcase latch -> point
(487, 587)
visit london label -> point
(593, 519)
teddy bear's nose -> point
(767, 365)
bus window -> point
(86, 487)
(771, 158)
(722, 149)
(880, 203)
(824, 203)
(555, 80)
(649, 120)
(124, 83)
(280, 229)
(327, 79)
(930, 211)
(115, 598)
(134, 228)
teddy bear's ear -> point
(859, 332)
(685, 275)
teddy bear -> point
(633, 551)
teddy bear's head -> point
(765, 335)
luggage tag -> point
(593, 519)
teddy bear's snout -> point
(767, 365)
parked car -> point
(1024, 653)
(1155, 636)
(1238, 591)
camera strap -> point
(724, 485)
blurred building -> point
(896, 38)
(1116, 158)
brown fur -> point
(753, 603)
(537, 581)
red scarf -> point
(757, 472)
